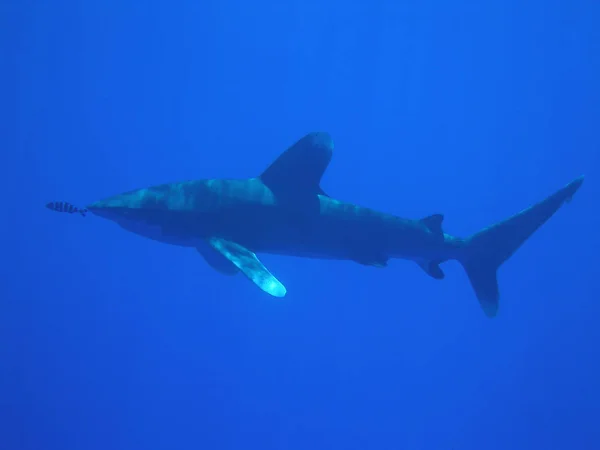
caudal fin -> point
(486, 250)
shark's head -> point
(133, 205)
(150, 205)
(159, 212)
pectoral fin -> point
(249, 265)
(216, 260)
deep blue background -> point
(472, 109)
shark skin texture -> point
(284, 211)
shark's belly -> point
(275, 231)
(365, 241)
(159, 233)
(303, 236)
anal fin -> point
(247, 262)
(432, 268)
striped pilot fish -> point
(66, 208)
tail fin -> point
(486, 250)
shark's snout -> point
(107, 212)
(113, 208)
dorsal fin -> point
(434, 223)
(299, 169)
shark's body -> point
(284, 211)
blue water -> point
(470, 109)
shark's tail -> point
(486, 250)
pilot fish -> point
(66, 207)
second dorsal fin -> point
(434, 223)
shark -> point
(285, 211)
